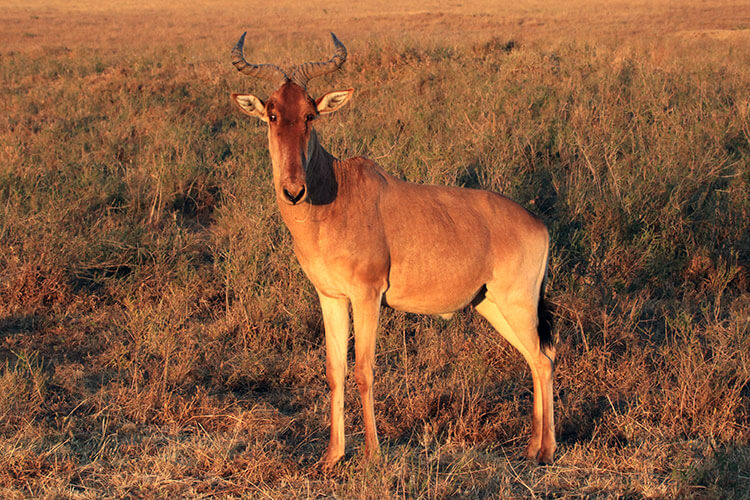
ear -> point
(250, 105)
(332, 101)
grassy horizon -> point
(157, 336)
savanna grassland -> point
(158, 338)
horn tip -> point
(237, 49)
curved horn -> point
(266, 71)
(303, 73)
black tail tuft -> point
(545, 323)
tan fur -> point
(364, 237)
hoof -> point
(532, 452)
(328, 460)
(371, 457)
(539, 455)
(546, 457)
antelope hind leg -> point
(518, 325)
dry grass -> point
(157, 337)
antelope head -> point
(289, 113)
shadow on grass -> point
(13, 325)
(589, 421)
(13, 328)
(723, 473)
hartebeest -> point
(365, 237)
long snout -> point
(293, 184)
(291, 153)
(293, 191)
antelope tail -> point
(544, 327)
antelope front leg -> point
(336, 322)
(366, 311)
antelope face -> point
(289, 113)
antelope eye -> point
(310, 117)
(272, 118)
